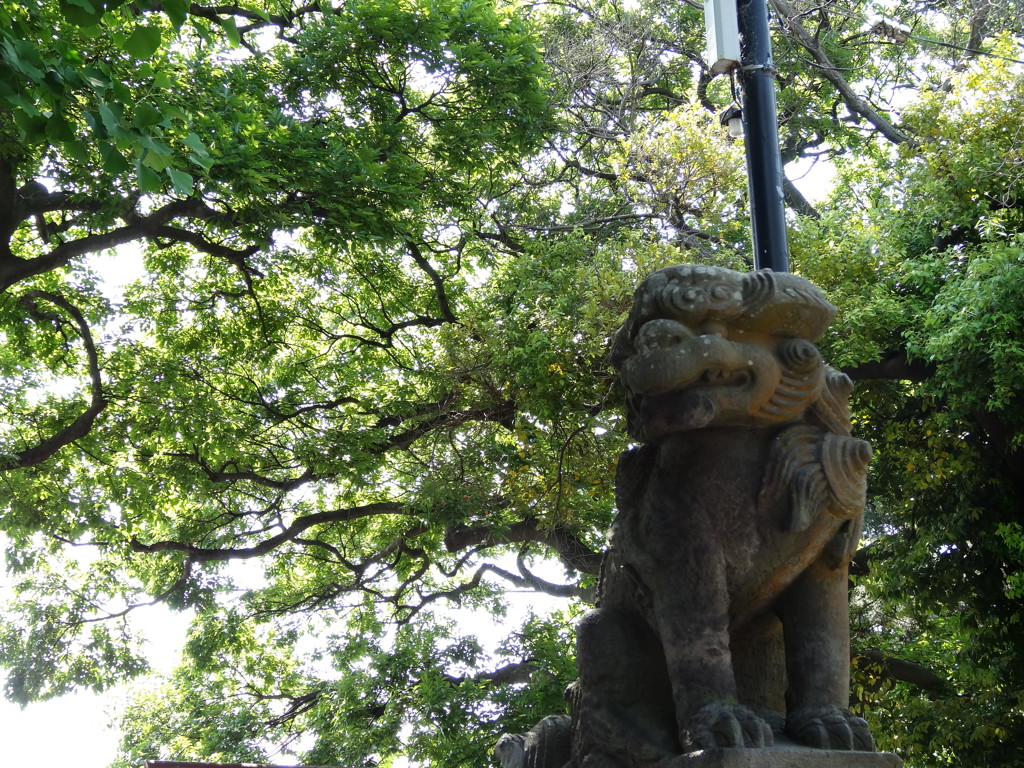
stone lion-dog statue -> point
(722, 619)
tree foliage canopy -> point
(305, 311)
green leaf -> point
(32, 126)
(77, 150)
(257, 10)
(158, 161)
(231, 30)
(110, 115)
(122, 92)
(99, 79)
(149, 180)
(202, 29)
(153, 144)
(22, 57)
(174, 113)
(193, 142)
(181, 181)
(59, 129)
(177, 11)
(113, 161)
(146, 115)
(162, 81)
(144, 41)
(81, 13)
(25, 104)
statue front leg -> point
(816, 620)
(693, 624)
(622, 709)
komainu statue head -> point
(709, 346)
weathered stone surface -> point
(722, 623)
(546, 744)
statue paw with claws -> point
(829, 727)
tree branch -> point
(874, 662)
(830, 72)
(14, 269)
(502, 413)
(80, 427)
(894, 365)
(426, 266)
(1001, 435)
(222, 475)
(207, 555)
(795, 199)
(256, 20)
(200, 243)
(536, 583)
(519, 672)
(572, 551)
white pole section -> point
(723, 35)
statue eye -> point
(721, 293)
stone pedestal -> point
(784, 754)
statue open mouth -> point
(665, 414)
(694, 360)
(680, 381)
(723, 378)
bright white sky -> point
(55, 734)
(73, 730)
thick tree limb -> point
(207, 555)
(456, 593)
(895, 365)
(223, 475)
(14, 269)
(872, 661)
(535, 582)
(511, 674)
(436, 279)
(1001, 435)
(201, 243)
(860, 564)
(502, 413)
(573, 552)
(80, 427)
(570, 163)
(594, 224)
(980, 12)
(256, 20)
(502, 238)
(230, 472)
(795, 199)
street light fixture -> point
(732, 118)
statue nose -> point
(662, 333)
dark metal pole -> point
(764, 163)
